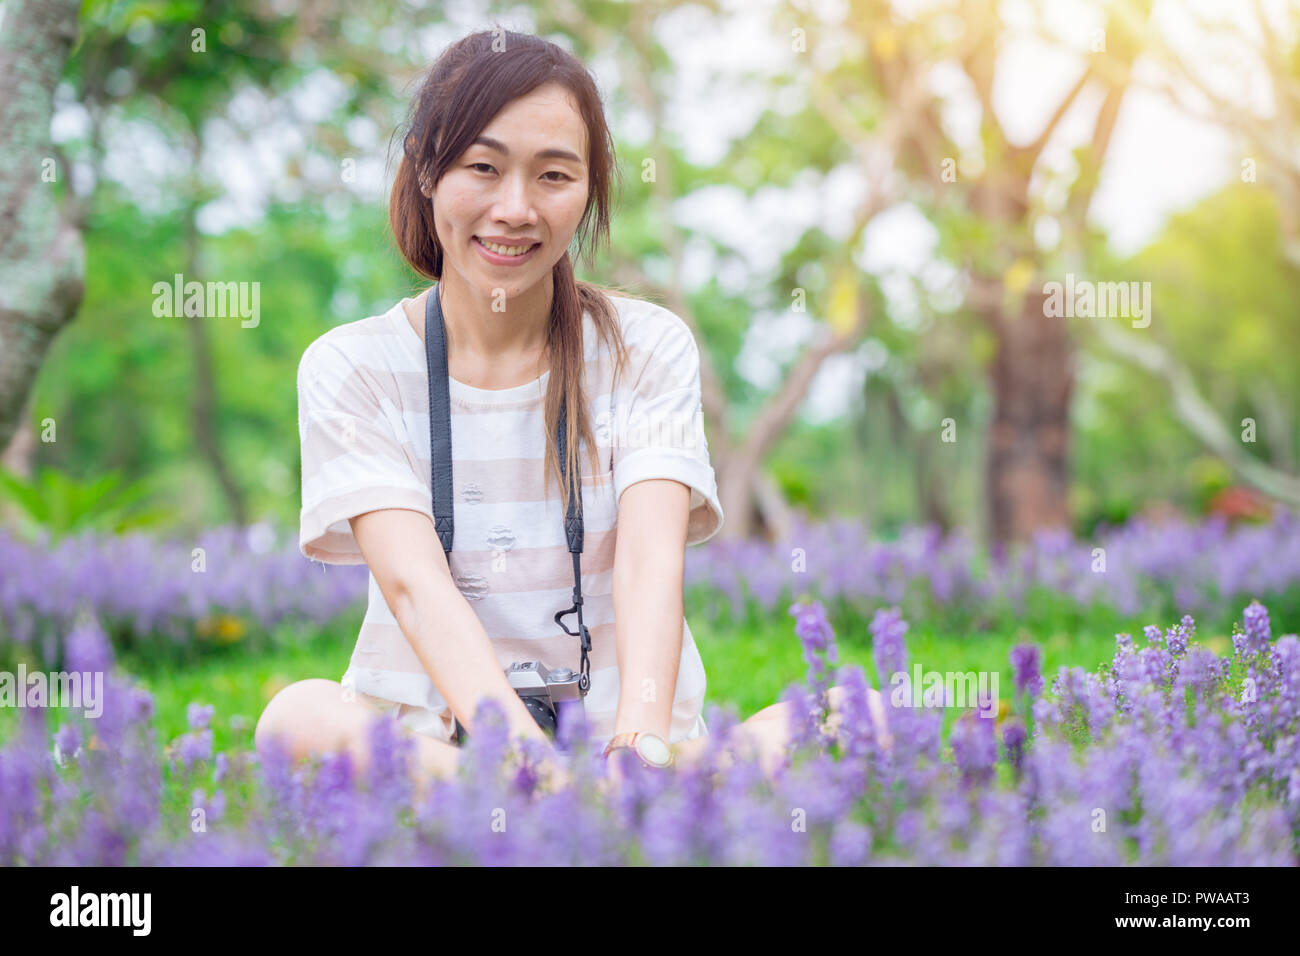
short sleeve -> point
(659, 413)
(354, 458)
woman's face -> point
(522, 184)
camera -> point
(542, 689)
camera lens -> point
(543, 713)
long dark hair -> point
(466, 87)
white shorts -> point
(421, 720)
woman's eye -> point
(487, 167)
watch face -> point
(653, 749)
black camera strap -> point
(435, 350)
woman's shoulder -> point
(645, 324)
(362, 343)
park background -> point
(857, 207)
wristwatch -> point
(651, 749)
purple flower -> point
(850, 844)
(1187, 772)
(812, 627)
(804, 726)
(195, 747)
(1256, 638)
(88, 649)
(387, 772)
(198, 716)
(1013, 739)
(1025, 664)
(68, 740)
(1176, 640)
(888, 646)
(974, 747)
(818, 642)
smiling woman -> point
(506, 159)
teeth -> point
(503, 250)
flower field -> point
(1204, 568)
(164, 595)
(236, 586)
(1168, 755)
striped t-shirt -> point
(363, 421)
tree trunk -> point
(205, 399)
(42, 257)
(741, 506)
(18, 456)
(931, 485)
(1032, 378)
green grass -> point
(239, 686)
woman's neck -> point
(475, 329)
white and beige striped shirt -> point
(363, 421)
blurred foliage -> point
(1223, 303)
(119, 381)
(60, 505)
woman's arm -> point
(405, 556)
(649, 563)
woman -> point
(506, 158)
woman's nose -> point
(514, 201)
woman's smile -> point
(503, 255)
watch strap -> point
(626, 739)
(629, 740)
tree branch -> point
(1035, 149)
(780, 408)
(1197, 414)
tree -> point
(1272, 162)
(749, 497)
(42, 258)
(1257, 43)
(988, 220)
(868, 100)
(183, 71)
